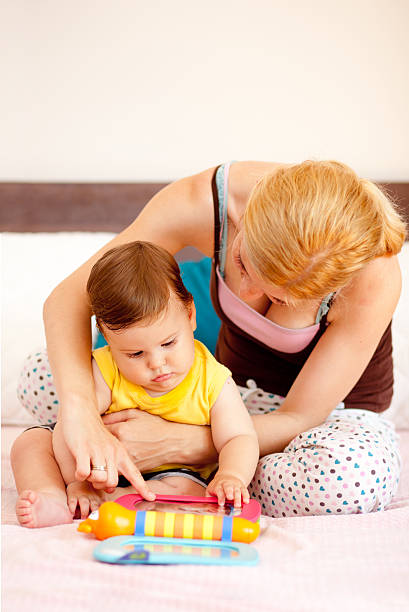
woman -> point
(305, 280)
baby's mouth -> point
(163, 377)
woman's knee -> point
(35, 389)
(320, 480)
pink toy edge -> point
(250, 511)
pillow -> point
(196, 277)
(32, 265)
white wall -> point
(154, 89)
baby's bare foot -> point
(40, 509)
(82, 499)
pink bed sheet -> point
(332, 563)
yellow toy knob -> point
(113, 520)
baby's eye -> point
(135, 355)
(170, 342)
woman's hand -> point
(152, 441)
(91, 444)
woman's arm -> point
(179, 215)
(358, 320)
(152, 441)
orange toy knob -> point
(113, 520)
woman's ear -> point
(192, 315)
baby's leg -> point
(42, 498)
(177, 485)
(63, 456)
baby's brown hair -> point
(132, 283)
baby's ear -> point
(192, 315)
(100, 328)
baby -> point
(152, 362)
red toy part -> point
(191, 504)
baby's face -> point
(157, 356)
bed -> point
(355, 563)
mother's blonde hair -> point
(309, 227)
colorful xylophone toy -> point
(113, 519)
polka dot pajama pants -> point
(348, 464)
(35, 389)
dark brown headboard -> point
(64, 207)
(69, 207)
(53, 207)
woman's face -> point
(251, 285)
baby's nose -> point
(156, 360)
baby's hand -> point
(82, 499)
(230, 487)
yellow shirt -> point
(190, 402)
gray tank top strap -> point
(222, 176)
(324, 307)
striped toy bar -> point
(183, 525)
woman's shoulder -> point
(383, 277)
(190, 200)
(196, 188)
(182, 213)
(375, 289)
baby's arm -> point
(236, 441)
